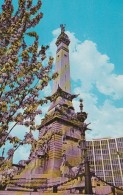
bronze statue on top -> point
(62, 28)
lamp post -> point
(82, 117)
(88, 185)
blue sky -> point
(95, 28)
(96, 20)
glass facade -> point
(106, 159)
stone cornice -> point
(60, 117)
(62, 47)
(61, 93)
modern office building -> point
(106, 159)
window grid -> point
(106, 157)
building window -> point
(105, 156)
(120, 144)
(105, 152)
(120, 139)
(112, 141)
(104, 142)
(104, 146)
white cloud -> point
(113, 86)
(22, 153)
(106, 119)
(18, 130)
(47, 90)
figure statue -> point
(64, 138)
(63, 157)
(85, 126)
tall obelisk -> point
(62, 66)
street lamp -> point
(82, 117)
(88, 185)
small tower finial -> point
(81, 105)
(62, 28)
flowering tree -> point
(22, 73)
